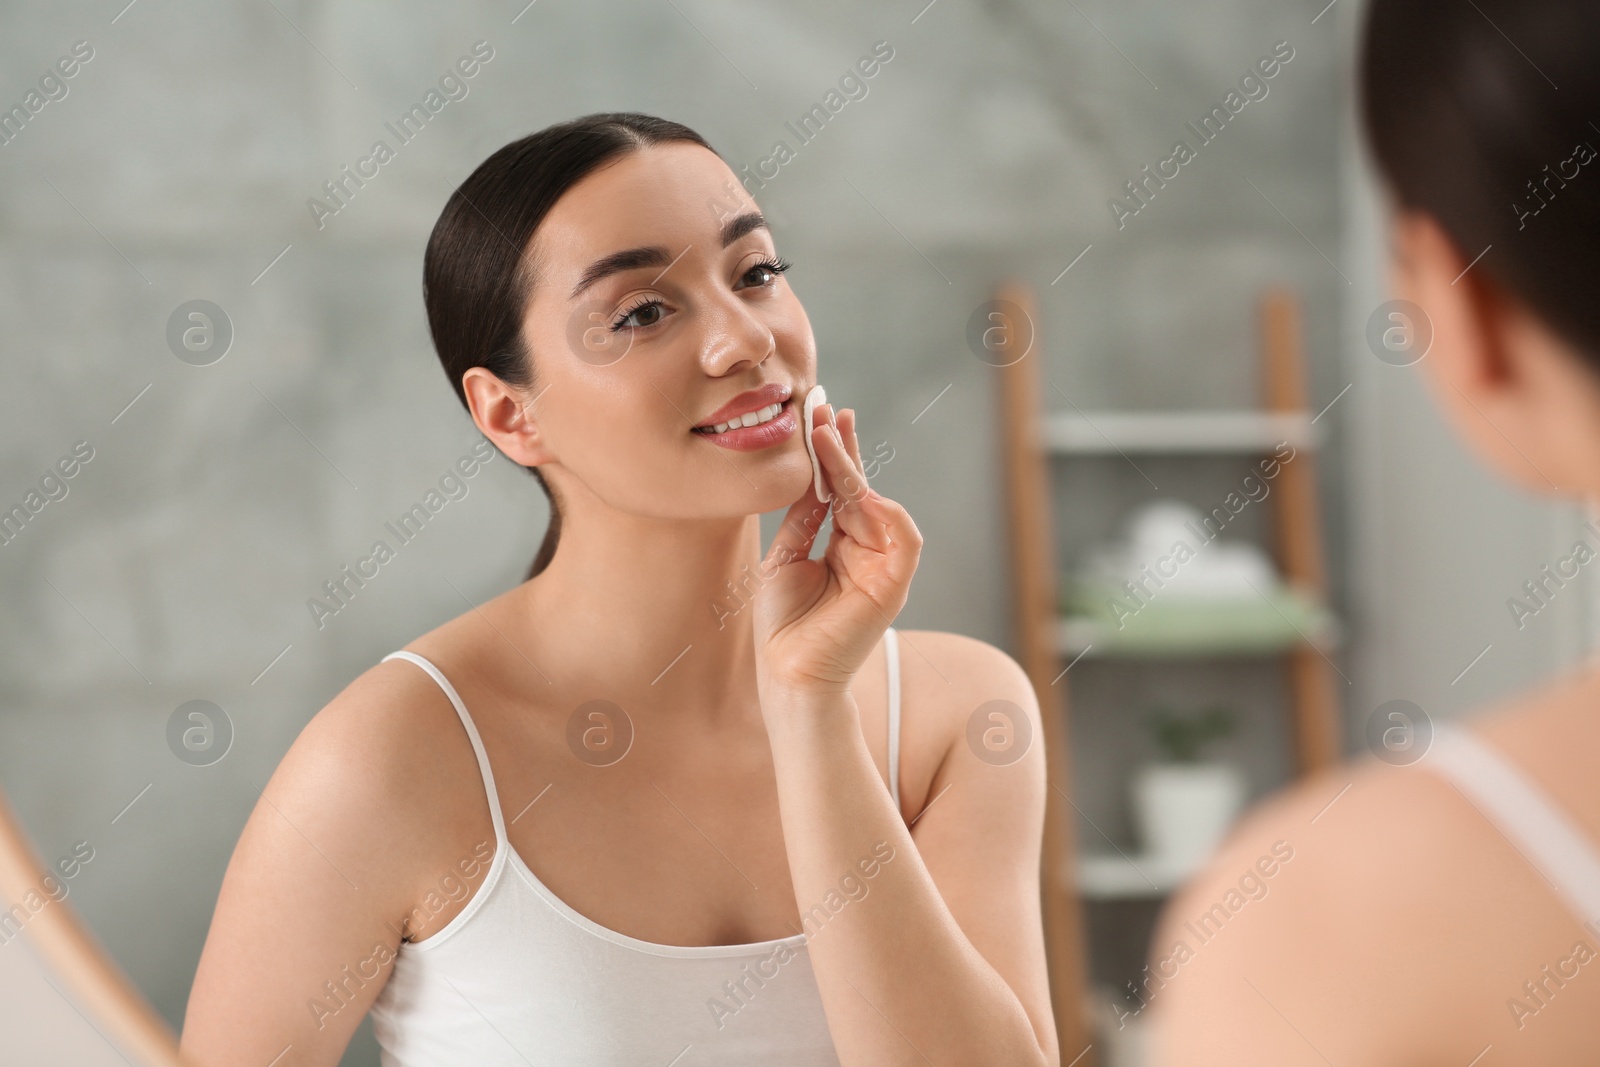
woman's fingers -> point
(849, 486)
(842, 470)
(905, 538)
(850, 481)
(798, 532)
(847, 430)
(875, 523)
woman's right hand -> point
(816, 621)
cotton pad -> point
(814, 399)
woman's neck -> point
(657, 608)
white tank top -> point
(1516, 805)
(518, 978)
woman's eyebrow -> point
(627, 259)
(740, 225)
(656, 256)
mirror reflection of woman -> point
(1446, 910)
(672, 796)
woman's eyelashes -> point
(648, 311)
(650, 307)
(769, 267)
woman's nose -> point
(732, 334)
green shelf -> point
(1175, 626)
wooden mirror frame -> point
(81, 967)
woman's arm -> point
(910, 971)
(941, 957)
(307, 921)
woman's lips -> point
(755, 438)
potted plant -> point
(1182, 803)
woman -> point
(1443, 910)
(710, 836)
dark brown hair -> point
(476, 280)
(1481, 115)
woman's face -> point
(656, 302)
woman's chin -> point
(789, 482)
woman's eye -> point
(640, 316)
(765, 272)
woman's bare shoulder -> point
(1376, 831)
(1326, 891)
(960, 691)
(952, 675)
(1551, 734)
(360, 815)
(379, 771)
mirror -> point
(62, 999)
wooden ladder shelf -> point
(1027, 446)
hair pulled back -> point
(476, 279)
(1486, 116)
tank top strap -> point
(891, 656)
(1512, 801)
(472, 735)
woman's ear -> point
(1522, 399)
(1463, 310)
(505, 415)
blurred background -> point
(238, 460)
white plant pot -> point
(1184, 809)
